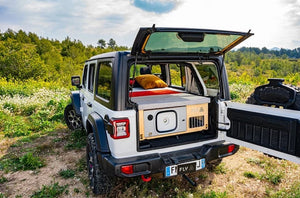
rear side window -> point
(91, 77)
(209, 75)
(104, 80)
(84, 76)
(145, 69)
(156, 70)
(177, 74)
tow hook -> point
(146, 178)
(189, 180)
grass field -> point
(40, 157)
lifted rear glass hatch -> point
(174, 41)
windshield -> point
(164, 42)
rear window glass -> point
(162, 42)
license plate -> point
(184, 168)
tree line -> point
(249, 67)
(285, 53)
(28, 56)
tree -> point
(102, 43)
(43, 46)
(22, 37)
(112, 43)
(20, 61)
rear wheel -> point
(72, 120)
(100, 183)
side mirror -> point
(76, 81)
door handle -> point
(89, 104)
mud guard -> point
(75, 98)
(98, 128)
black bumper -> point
(156, 163)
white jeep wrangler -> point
(165, 108)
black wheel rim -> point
(73, 119)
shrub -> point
(29, 162)
(292, 192)
(273, 176)
(3, 180)
(250, 174)
(234, 95)
(220, 169)
(25, 162)
(67, 173)
(53, 190)
(15, 126)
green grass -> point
(273, 176)
(30, 162)
(76, 190)
(254, 161)
(77, 140)
(39, 110)
(26, 162)
(211, 194)
(292, 192)
(272, 173)
(2, 195)
(81, 164)
(240, 92)
(66, 174)
(50, 191)
(250, 174)
(220, 169)
(3, 180)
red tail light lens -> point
(128, 169)
(120, 128)
(231, 148)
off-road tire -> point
(72, 120)
(251, 99)
(295, 106)
(100, 183)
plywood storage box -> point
(173, 114)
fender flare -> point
(98, 128)
(75, 98)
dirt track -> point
(58, 158)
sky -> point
(275, 23)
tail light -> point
(230, 148)
(128, 169)
(119, 128)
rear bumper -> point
(157, 163)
